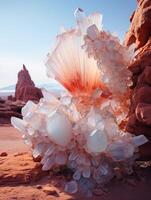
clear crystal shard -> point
(39, 149)
(71, 187)
(77, 175)
(29, 107)
(139, 140)
(96, 141)
(48, 164)
(50, 150)
(19, 124)
(86, 172)
(59, 128)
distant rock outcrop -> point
(25, 87)
(140, 33)
(25, 90)
(10, 109)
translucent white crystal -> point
(66, 100)
(112, 59)
(97, 141)
(71, 187)
(31, 131)
(95, 162)
(39, 149)
(103, 169)
(75, 115)
(48, 164)
(50, 150)
(73, 155)
(49, 97)
(121, 150)
(35, 120)
(29, 107)
(86, 172)
(139, 140)
(19, 124)
(59, 128)
(77, 175)
(44, 159)
(95, 119)
(84, 22)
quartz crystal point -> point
(112, 58)
(28, 108)
(76, 123)
(121, 150)
(19, 124)
(84, 22)
(71, 187)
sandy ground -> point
(11, 141)
(49, 187)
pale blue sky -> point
(28, 29)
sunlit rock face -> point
(80, 128)
(139, 34)
(25, 87)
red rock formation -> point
(140, 28)
(19, 169)
(25, 87)
(140, 33)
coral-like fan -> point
(80, 129)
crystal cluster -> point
(79, 127)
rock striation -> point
(19, 169)
(139, 121)
(8, 109)
(25, 87)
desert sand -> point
(22, 178)
(11, 141)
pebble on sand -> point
(3, 154)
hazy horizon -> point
(28, 30)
